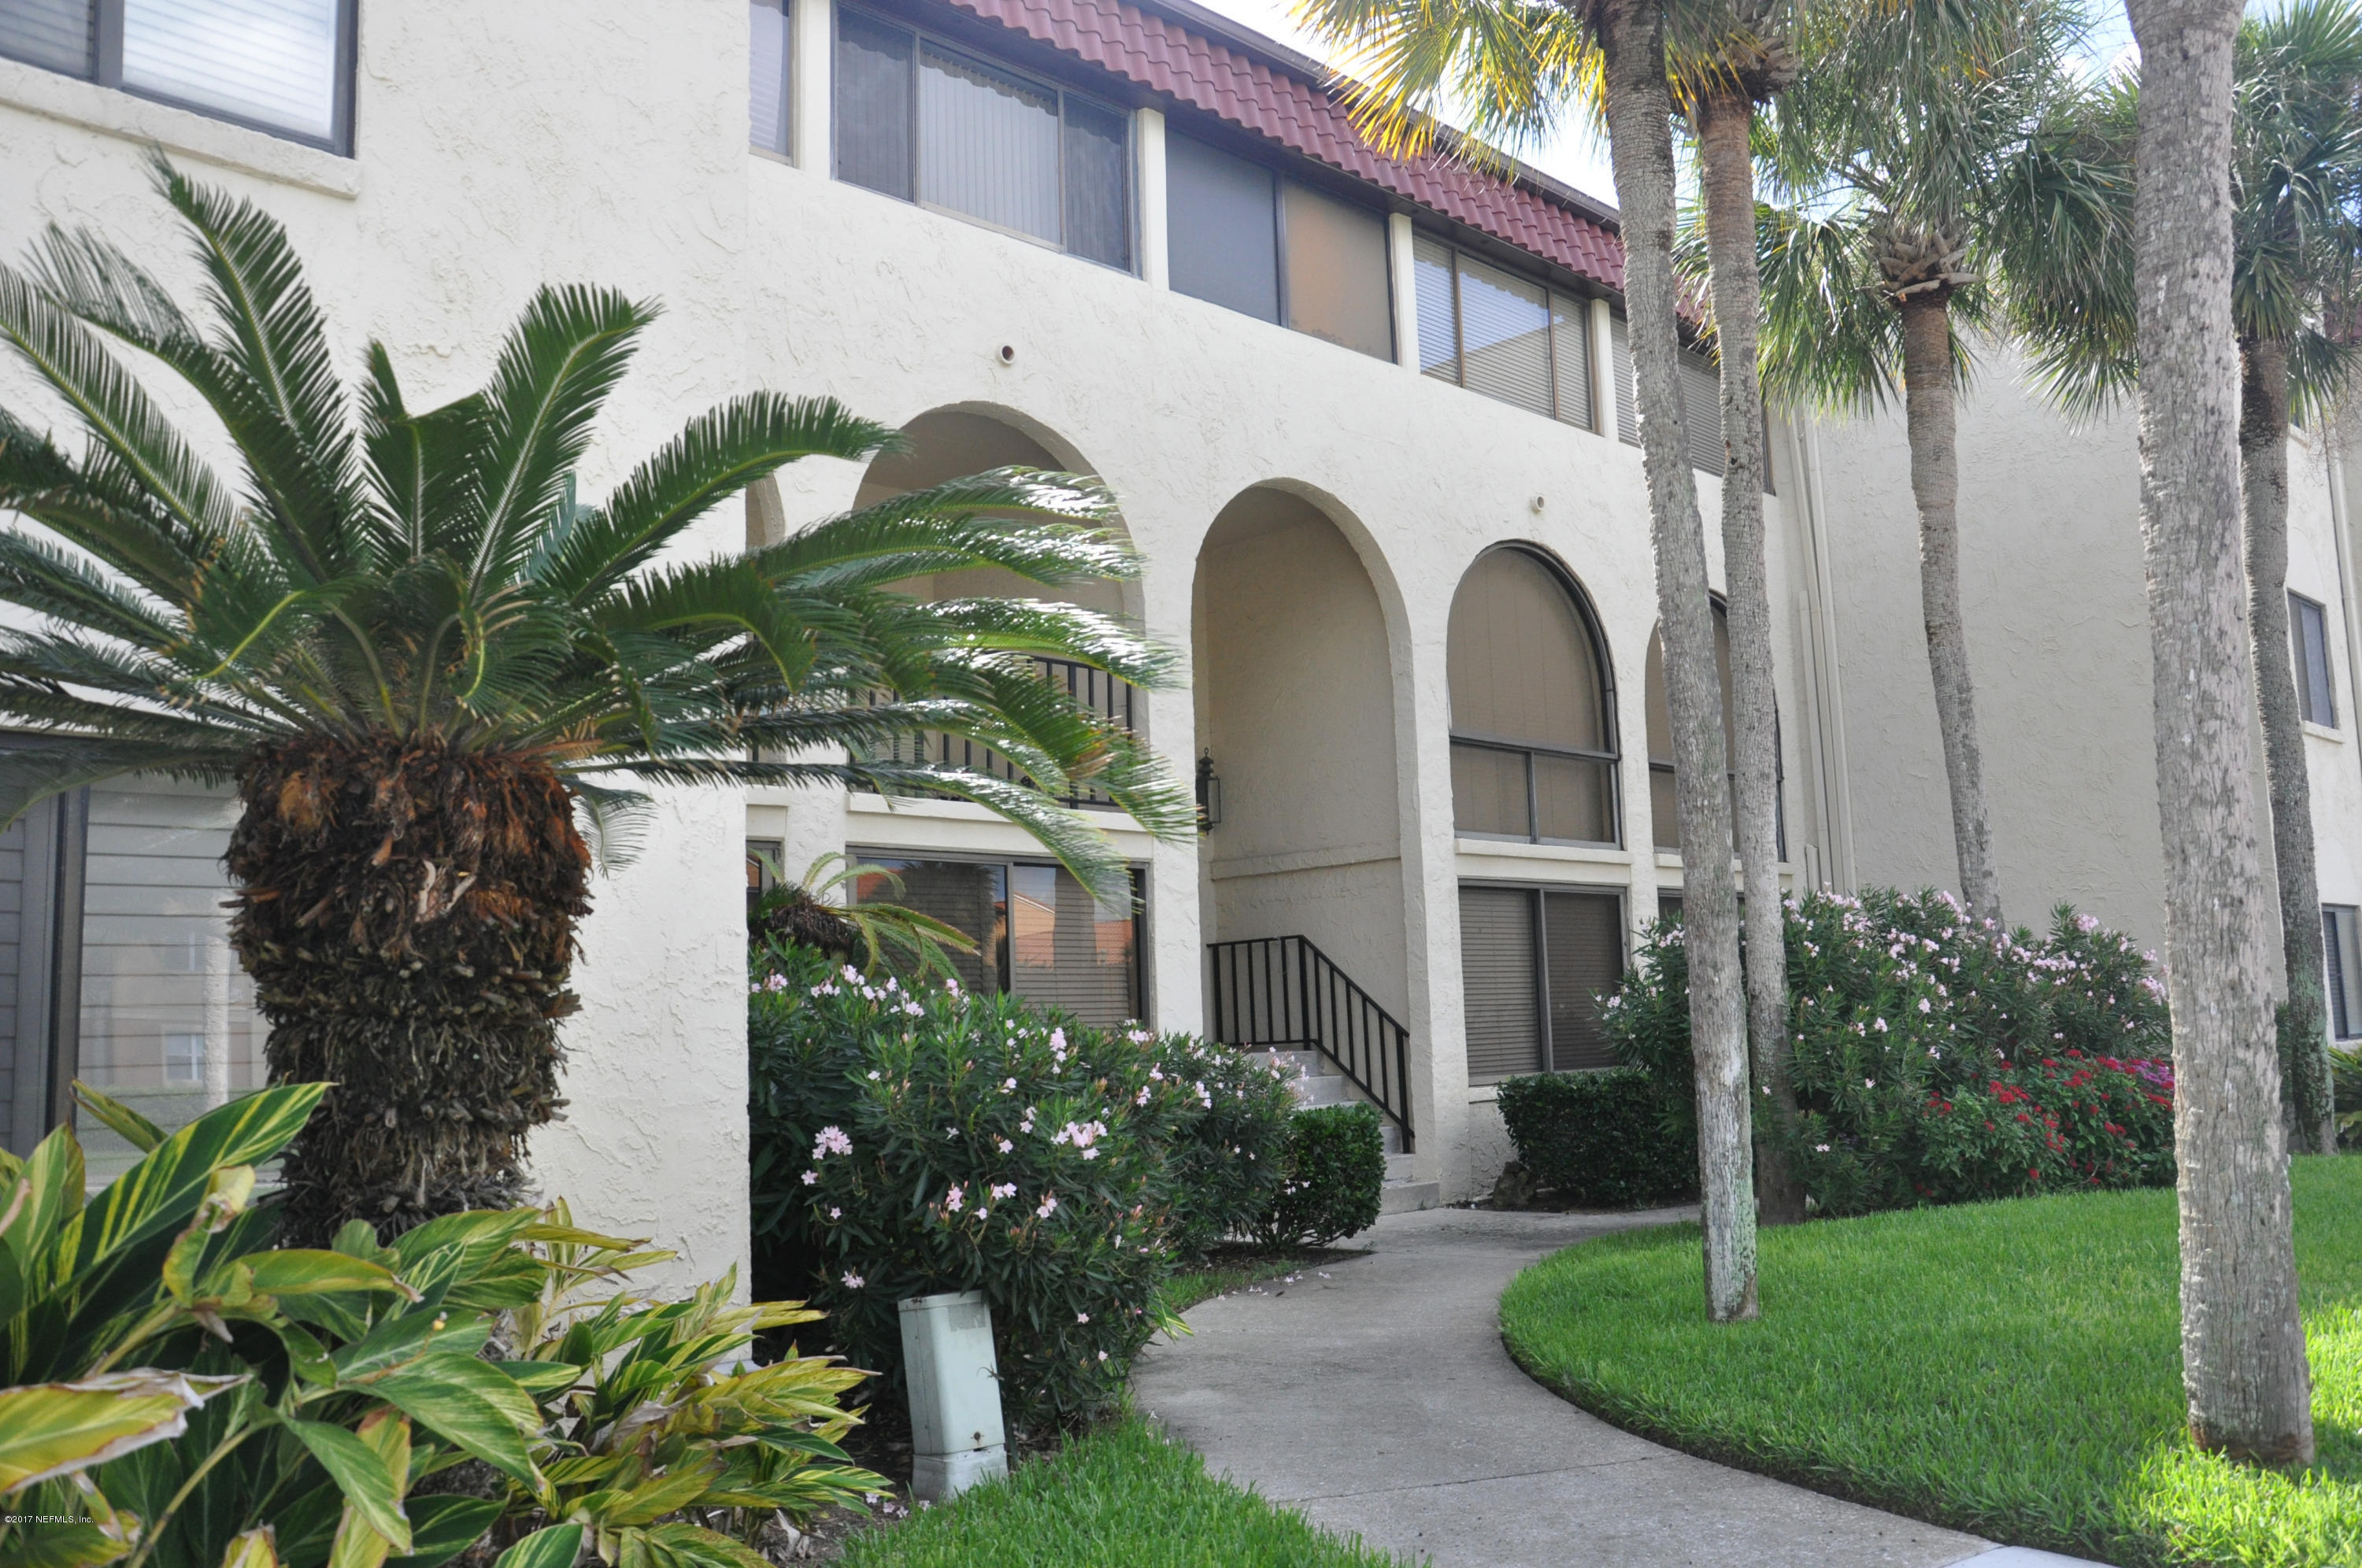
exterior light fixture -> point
(957, 1438)
(1209, 794)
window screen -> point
(1337, 271)
(1438, 322)
(1497, 983)
(874, 104)
(766, 75)
(1583, 952)
(275, 64)
(1221, 229)
(1504, 329)
(58, 34)
(1098, 183)
(2308, 628)
(1571, 358)
(1701, 386)
(2340, 930)
(1619, 370)
(987, 144)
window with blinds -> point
(281, 66)
(1534, 962)
(767, 40)
(919, 120)
(1619, 370)
(1663, 796)
(1039, 933)
(1699, 384)
(1533, 731)
(1506, 337)
(2340, 930)
(2316, 695)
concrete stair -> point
(1316, 1083)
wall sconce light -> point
(1209, 794)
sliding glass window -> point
(919, 120)
(281, 66)
(1241, 235)
(767, 76)
(1039, 933)
(1506, 337)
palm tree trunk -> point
(1930, 419)
(2305, 1089)
(1726, 171)
(1640, 145)
(407, 912)
(2243, 1354)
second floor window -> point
(2317, 696)
(768, 29)
(1238, 234)
(281, 66)
(1500, 334)
(918, 119)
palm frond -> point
(1047, 527)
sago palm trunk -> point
(1727, 180)
(2263, 479)
(1931, 421)
(407, 912)
(2242, 1353)
(1640, 145)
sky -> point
(1577, 158)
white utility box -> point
(957, 1435)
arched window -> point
(1533, 714)
(1665, 806)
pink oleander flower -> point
(853, 1282)
(1049, 1207)
(1004, 1189)
(811, 1177)
(831, 1141)
(954, 1199)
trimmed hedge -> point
(1336, 1173)
(1601, 1138)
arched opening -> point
(1533, 710)
(1301, 877)
(1040, 933)
(1663, 802)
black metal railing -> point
(1095, 689)
(1281, 993)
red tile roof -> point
(1167, 56)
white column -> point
(1602, 375)
(811, 61)
(1403, 263)
(1148, 137)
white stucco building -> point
(1368, 423)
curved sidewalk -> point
(1376, 1398)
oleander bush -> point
(1937, 1059)
(1334, 1180)
(910, 1141)
(1600, 1138)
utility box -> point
(957, 1435)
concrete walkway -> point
(1375, 1397)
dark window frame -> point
(2343, 1021)
(921, 37)
(1536, 892)
(1613, 756)
(106, 70)
(1005, 960)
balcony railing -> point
(1095, 689)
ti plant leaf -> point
(59, 1428)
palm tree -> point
(1889, 157)
(1740, 60)
(1522, 64)
(2296, 191)
(2243, 1350)
(418, 661)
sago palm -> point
(2296, 216)
(1885, 256)
(418, 661)
(1521, 66)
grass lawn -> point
(2009, 1368)
(1122, 1495)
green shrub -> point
(1335, 1177)
(913, 1142)
(1937, 1060)
(1600, 1138)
